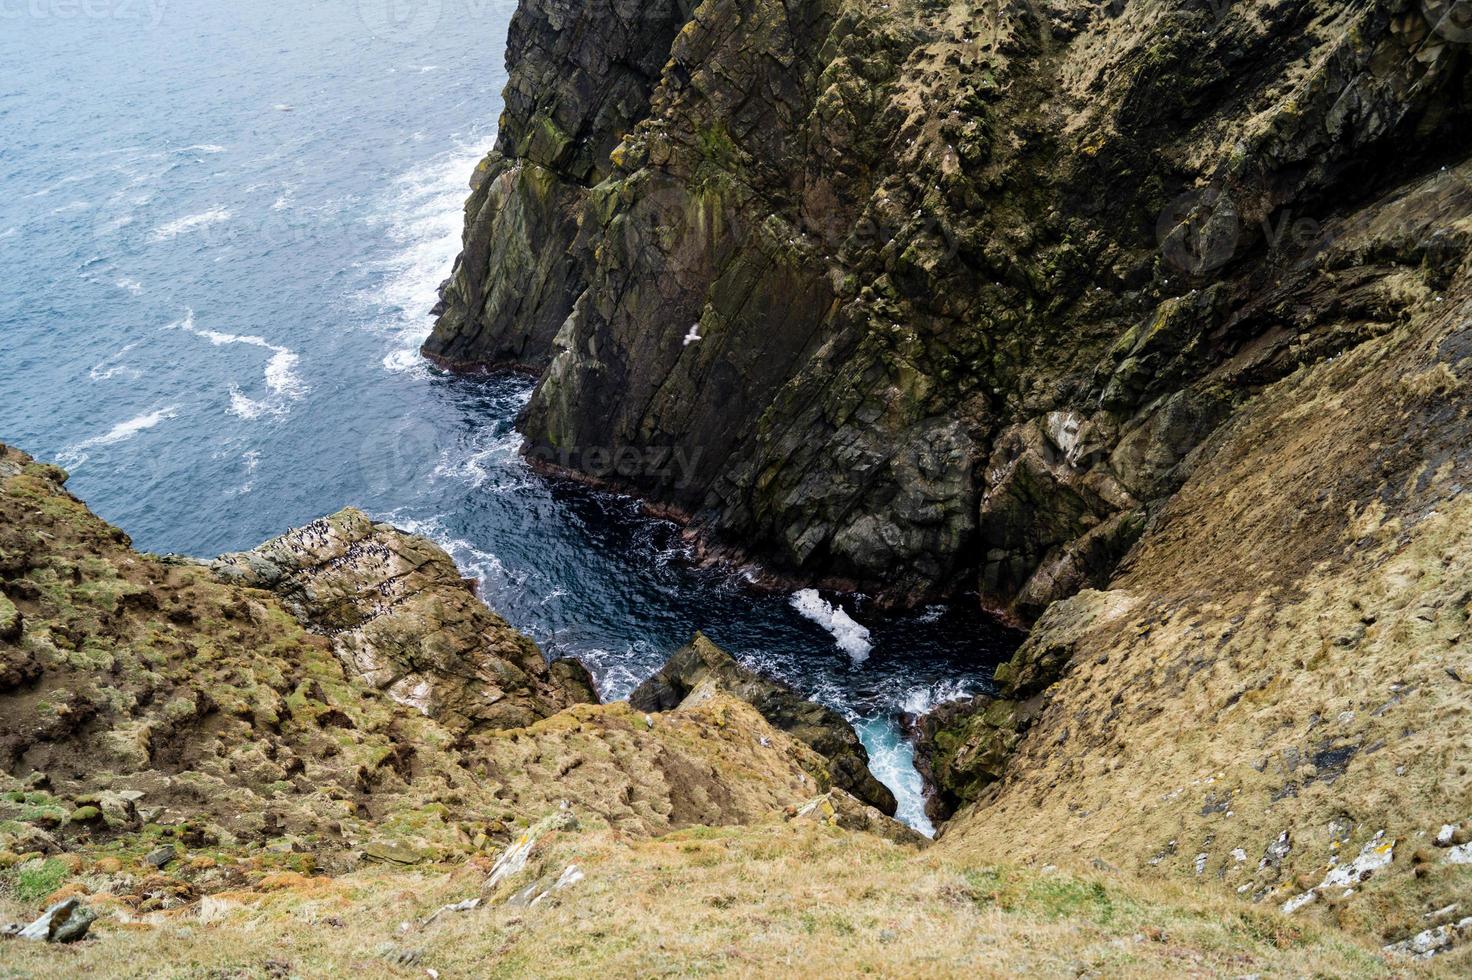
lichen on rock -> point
(401, 616)
(700, 668)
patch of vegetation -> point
(1052, 896)
(34, 880)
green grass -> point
(34, 880)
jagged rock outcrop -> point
(695, 670)
(580, 78)
(936, 299)
(401, 616)
(1270, 692)
(188, 703)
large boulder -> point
(401, 616)
(701, 666)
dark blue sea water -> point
(221, 229)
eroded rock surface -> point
(167, 707)
(690, 675)
(401, 616)
(933, 299)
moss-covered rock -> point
(257, 706)
(690, 675)
(401, 616)
(11, 621)
(903, 240)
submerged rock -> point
(702, 665)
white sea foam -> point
(244, 407)
(8, 233)
(425, 219)
(892, 761)
(851, 637)
(931, 614)
(203, 148)
(131, 285)
(76, 455)
(109, 368)
(191, 223)
(403, 359)
(281, 376)
(921, 700)
(468, 558)
(280, 372)
(493, 463)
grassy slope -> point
(768, 893)
(768, 900)
(1286, 650)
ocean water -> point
(221, 230)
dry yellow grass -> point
(777, 899)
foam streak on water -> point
(76, 455)
(851, 638)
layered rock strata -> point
(932, 299)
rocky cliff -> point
(339, 689)
(293, 762)
(938, 298)
(702, 667)
(1274, 684)
(1143, 320)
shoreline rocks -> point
(400, 615)
(701, 666)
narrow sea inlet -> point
(221, 280)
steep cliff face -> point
(1274, 685)
(580, 78)
(939, 298)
